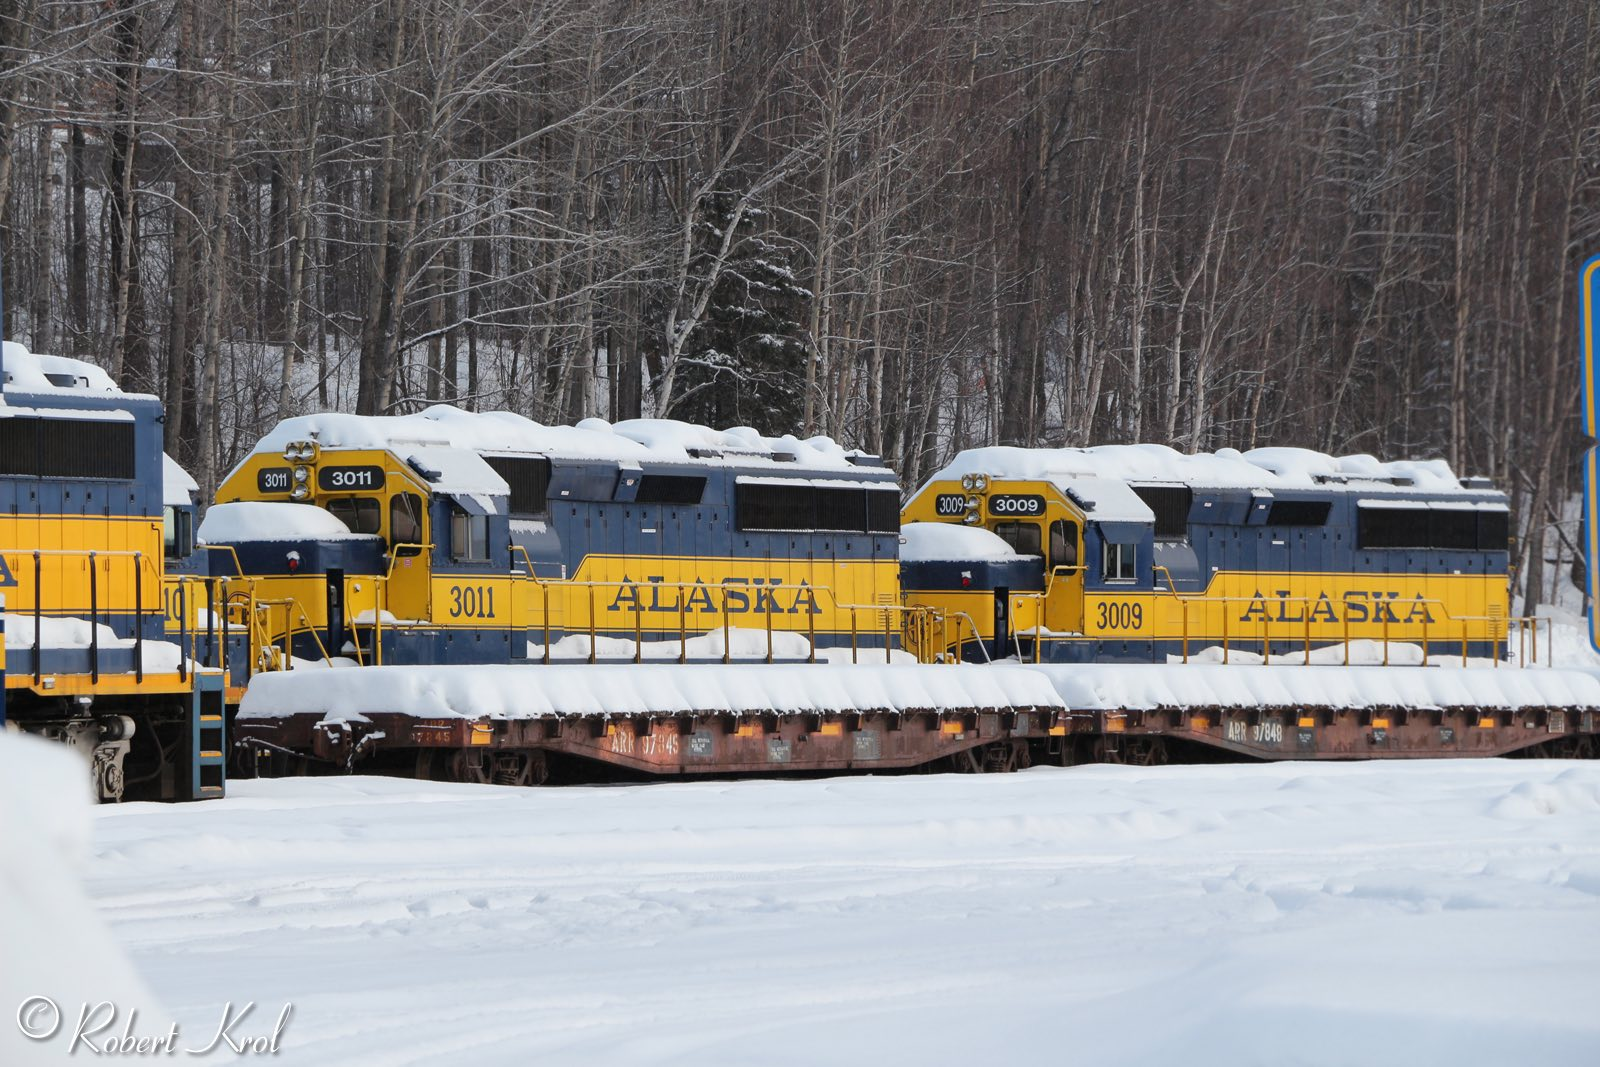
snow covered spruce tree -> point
(744, 361)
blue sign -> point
(1589, 327)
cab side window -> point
(1117, 561)
(469, 535)
(1023, 537)
(1063, 543)
(177, 533)
(405, 519)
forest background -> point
(914, 225)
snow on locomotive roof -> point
(658, 440)
(176, 484)
(946, 542)
(30, 372)
(1228, 468)
(456, 470)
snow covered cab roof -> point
(1258, 469)
(638, 440)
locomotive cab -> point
(1148, 555)
(1083, 556)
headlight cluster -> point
(298, 453)
(974, 483)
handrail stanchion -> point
(94, 621)
(853, 659)
(1385, 635)
(1225, 630)
(1305, 607)
(38, 615)
(683, 628)
(185, 649)
(591, 623)
(1463, 642)
(727, 628)
(770, 604)
(546, 587)
(638, 633)
(888, 642)
(1184, 604)
(811, 635)
(138, 617)
(1425, 616)
(1347, 636)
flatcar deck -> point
(503, 723)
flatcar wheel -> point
(520, 768)
(469, 765)
(1147, 752)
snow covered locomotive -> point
(85, 524)
(453, 537)
(1141, 554)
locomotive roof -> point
(32, 372)
(1259, 468)
(634, 441)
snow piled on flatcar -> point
(522, 692)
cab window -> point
(405, 519)
(469, 535)
(361, 514)
(1063, 544)
(1117, 561)
(1023, 537)
(177, 532)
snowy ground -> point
(1442, 913)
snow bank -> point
(1109, 687)
(1264, 468)
(53, 942)
(524, 692)
(1436, 914)
(263, 520)
(948, 542)
(661, 440)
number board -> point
(1027, 505)
(350, 479)
(1589, 302)
(274, 480)
(950, 504)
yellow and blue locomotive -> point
(454, 537)
(1141, 554)
(82, 549)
